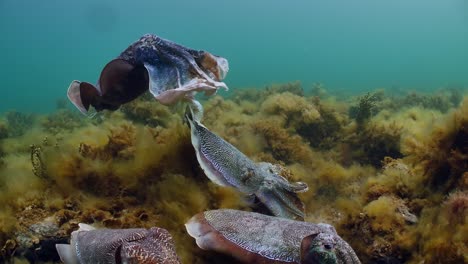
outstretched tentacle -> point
(282, 202)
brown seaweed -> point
(394, 188)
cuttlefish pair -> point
(225, 165)
(249, 237)
(171, 72)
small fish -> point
(225, 165)
(257, 238)
(133, 246)
(170, 71)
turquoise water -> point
(347, 45)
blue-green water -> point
(347, 45)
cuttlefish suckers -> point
(225, 165)
(170, 71)
(257, 238)
(117, 246)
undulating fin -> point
(208, 238)
(81, 94)
(66, 253)
(85, 227)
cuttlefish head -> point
(215, 66)
(327, 248)
(279, 195)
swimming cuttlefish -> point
(170, 71)
(257, 238)
(117, 246)
(225, 165)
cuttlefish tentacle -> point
(225, 165)
(169, 63)
(281, 202)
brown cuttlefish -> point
(257, 238)
(133, 246)
(171, 72)
(226, 165)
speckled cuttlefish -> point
(257, 238)
(225, 165)
(170, 71)
(116, 246)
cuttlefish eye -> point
(318, 249)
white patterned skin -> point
(118, 246)
(260, 238)
(176, 72)
(171, 72)
(225, 165)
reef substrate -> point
(389, 172)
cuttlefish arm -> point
(279, 195)
(225, 165)
(177, 72)
(257, 238)
(136, 245)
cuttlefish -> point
(257, 238)
(134, 246)
(225, 165)
(171, 72)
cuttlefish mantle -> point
(257, 238)
(171, 72)
(225, 165)
(135, 245)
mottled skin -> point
(136, 245)
(170, 71)
(225, 165)
(174, 70)
(257, 238)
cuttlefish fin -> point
(82, 94)
(282, 200)
(66, 253)
(120, 78)
(85, 227)
(208, 238)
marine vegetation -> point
(18, 123)
(365, 108)
(393, 186)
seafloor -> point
(388, 171)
